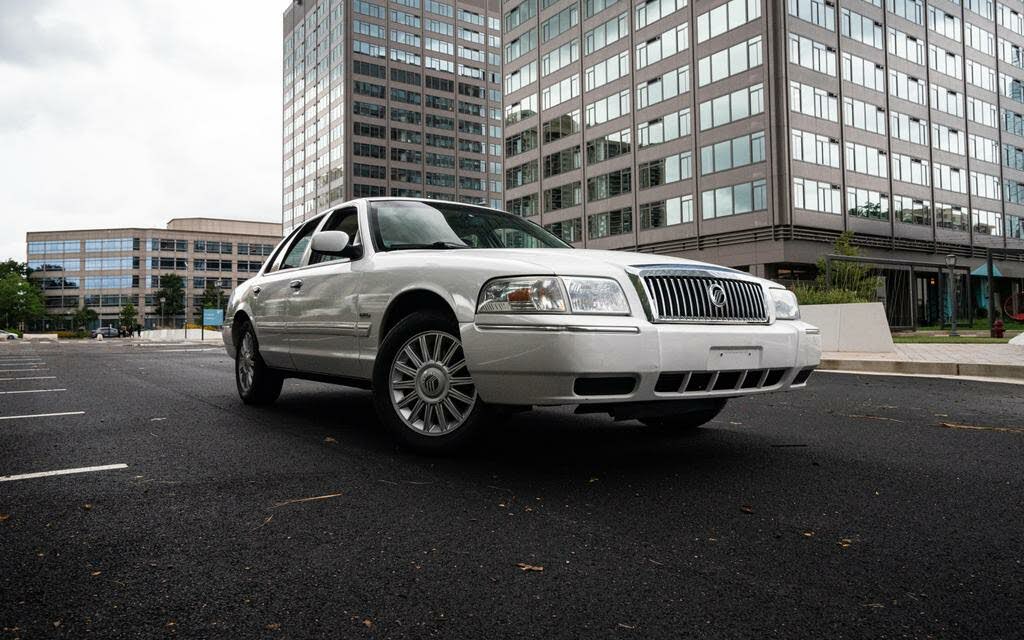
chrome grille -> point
(679, 298)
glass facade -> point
(899, 120)
(414, 86)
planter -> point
(859, 327)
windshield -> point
(410, 224)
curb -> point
(926, 368)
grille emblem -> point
(716, 293)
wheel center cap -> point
(432, 383)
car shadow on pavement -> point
(552, 438)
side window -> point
(346, 220)
(293, 256)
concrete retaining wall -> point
(850, 327)
(39, 336)
(178, 335)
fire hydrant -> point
(997, 329)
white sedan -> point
(450, 311)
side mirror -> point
(334, 243)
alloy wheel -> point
(247, 362)
(429, 384)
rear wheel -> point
(422, 388)
(257, 383)
(688, 421)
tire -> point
(689, 421)
(422, 390)
(257, 384)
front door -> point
(270, 305)
(323, 315)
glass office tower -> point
(753, 132)
(390, 98)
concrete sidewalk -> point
(975, 360)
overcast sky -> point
(131, 112)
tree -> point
(129, 316)
(85, 317)
(172, 292)
(855, 277)
(13, 266)
(213, 298)
(20, 300)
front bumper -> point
(627, 360)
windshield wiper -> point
(428, 245)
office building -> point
(751, 133)
(390, 98)
(105, 269)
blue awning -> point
(983, 271)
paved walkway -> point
(972, 353)
(976, 360)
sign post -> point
(212, 318)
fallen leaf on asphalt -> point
(329, 440)
(157, 419)
(593, 480)
(4, 516)
(298, 500)
(95, 573)
(845, 542)
(747, 508)
(974, 427)
(273, 626)
(529, 567)
(873, 418)
(626, 626)
(265, 522)
(808, 534)
(368, 623)
(87, 506)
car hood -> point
(579, 262)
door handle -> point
(295, 284)
(256, 291)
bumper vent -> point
(702, 381)
(683, 298)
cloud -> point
(37, 33)
(176, 113)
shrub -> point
(806, 294)
(72, 335)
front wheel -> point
(422, 388)
(688, 421)
(257, 383)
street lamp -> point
(163, 312)
(951, 263)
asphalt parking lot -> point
(844, 511)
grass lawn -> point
(925, 339)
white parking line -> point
(29, 378)
(44, 415)
(24, 370)
(7, 393)
(62, 472)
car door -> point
(323, 317)
(272, 295)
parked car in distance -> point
(7, 335)
(106, 332)
(450, 310)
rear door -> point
(272, 295)
(323, 317)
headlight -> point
(522, 295)
(596, 295)
(786, 307)
(545, 294)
